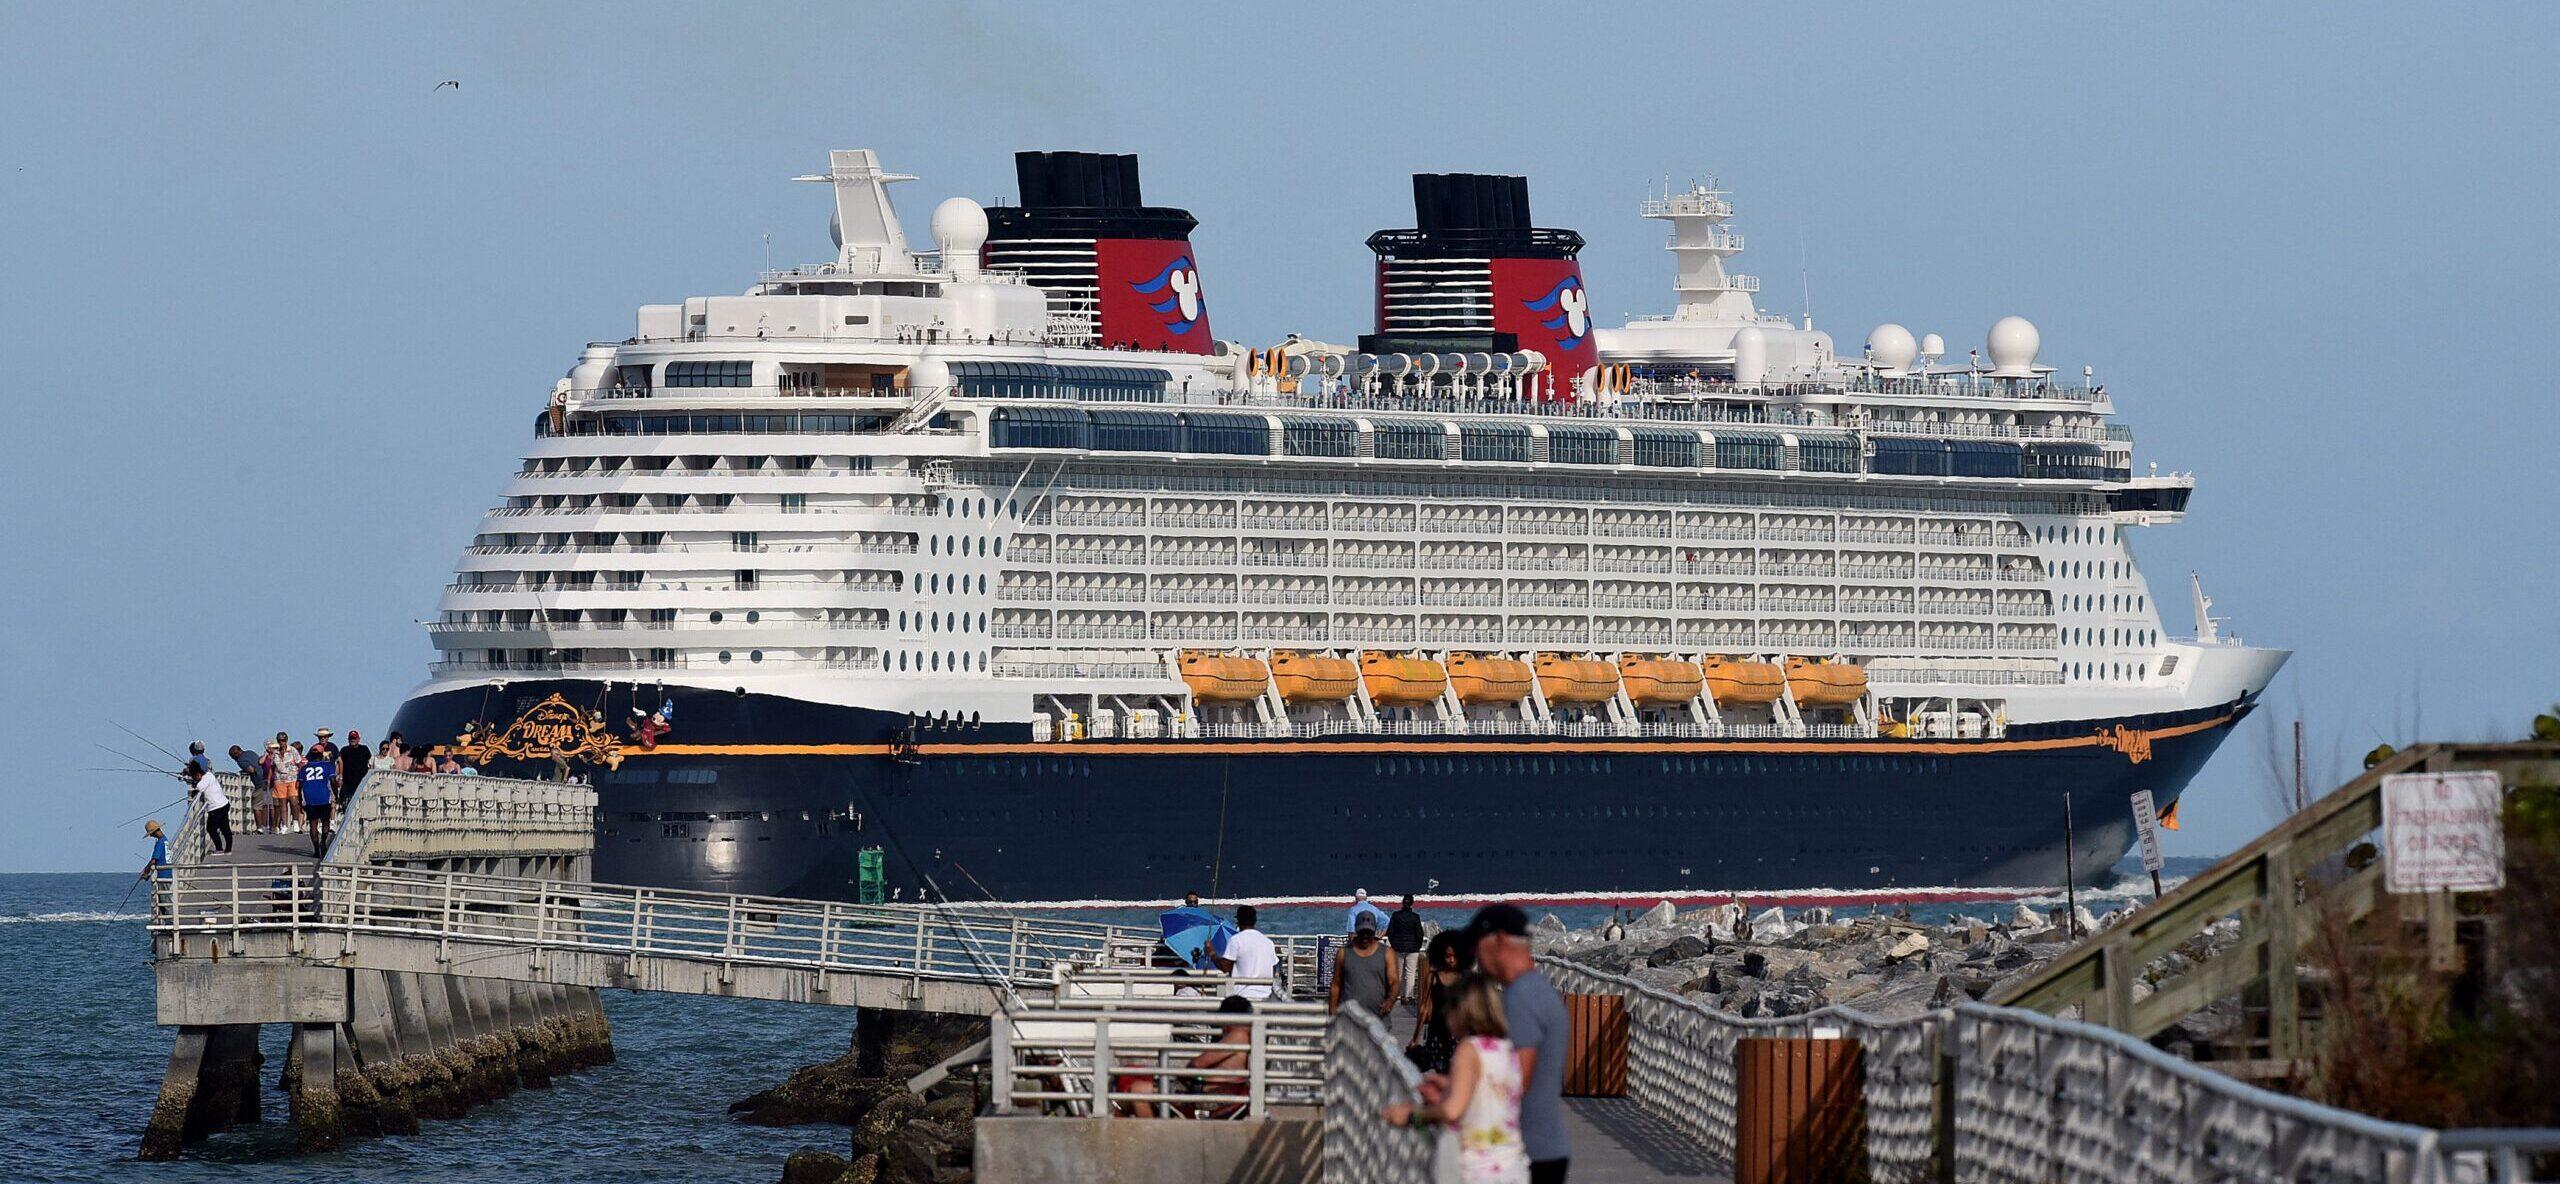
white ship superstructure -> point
(1018, 508)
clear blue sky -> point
(278, 314)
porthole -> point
(753, 616)
(936, 660)
(755, 655)
(724, 655)
(902, 620)
(932, 544)
(715, 616)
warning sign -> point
(2441, 831)
(2147, 825)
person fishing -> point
(207, 790)
(158, 864)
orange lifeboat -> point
(1660, 682)
(1825, 684)
(1222, 678)
(1576, 680)
(1735, 683)
(1313, 678)
(1396, 681)
(1479, 679)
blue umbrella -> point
(1194, 933)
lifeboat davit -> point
(1479, 679)
(1825, 684)
(1313, 678)
(1736, 683)
(1223, 678)
(1396, 681)
(1576, 680)
(1660, 682)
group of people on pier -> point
(293, 787)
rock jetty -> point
(898, 1137)
(1777, 963)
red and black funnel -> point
(1472, 273)
(1084, 235)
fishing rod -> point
(138, 763)
(147, 740)
(161, 809)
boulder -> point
(1906, 946)
(1660, 914)
(1684, 948)
(812, 1166)
(2025, 920)
(1550, 923)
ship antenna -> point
(1804, 277)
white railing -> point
(343, 903)
(413, 814)
(1364, 1072)
(1137, 1056)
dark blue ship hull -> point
(768, 795)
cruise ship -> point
(993, 557)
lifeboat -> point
(1660, 682)
(1479, 679)
(1396, 681)
(1313, 678)
(1223, 678)
(1736, 683)
(1825, 684)
(1576, 680)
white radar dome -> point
(2012, 345)
(1932, 346)
(1750, 356)
(1892, 348)
(959, 230)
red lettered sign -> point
(1150, 295)
(1543, 302)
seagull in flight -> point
(454, 83)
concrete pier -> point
(373, 1051)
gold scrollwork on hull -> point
(551, 730)
(2136, 746)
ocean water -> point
(86, 1063)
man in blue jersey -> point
(319, 792)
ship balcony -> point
(1708, 238)
(1687, 205)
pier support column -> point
(318, 1123)
(427, 1038)
(211, 1085)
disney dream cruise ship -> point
(994, 556)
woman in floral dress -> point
(1479, 1109)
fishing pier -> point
(450, 945)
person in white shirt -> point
(217, 811)
(1250, 955)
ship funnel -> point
(1473, 274)
(1117, 271)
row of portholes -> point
(2112, 569)
(946, 544)
(752, 616)
(752, 656)
(2114, 603)
(2106, 670)
(937, 622)
(971, 507)
(2119, 637)
(943, 721)
(939, 660)
(933, 583)
(2074, 534)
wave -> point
(70, 918)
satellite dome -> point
(1892, 348)
(2012, 345)
(1751, 356)
(959, 231)
(835, 229)
(1932, 346)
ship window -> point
(1493, 442)
(1826, 454)
(1582, 446)
(696, 374)
(1983, 458)
(1226, 435)
(1006, 380)
(1124, 384)
(1662, 449)
(1746, 450)
(1136, 431)
(755, 655)
(1411, 440)
(1038, 427)
(1320, 437)
(724, 655)
(1912, 458)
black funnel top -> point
(1082, 195)
(1077, 180)
(1470, 201)
(1463, 214)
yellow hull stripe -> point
(2115, 739)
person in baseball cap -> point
(1498, 935)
